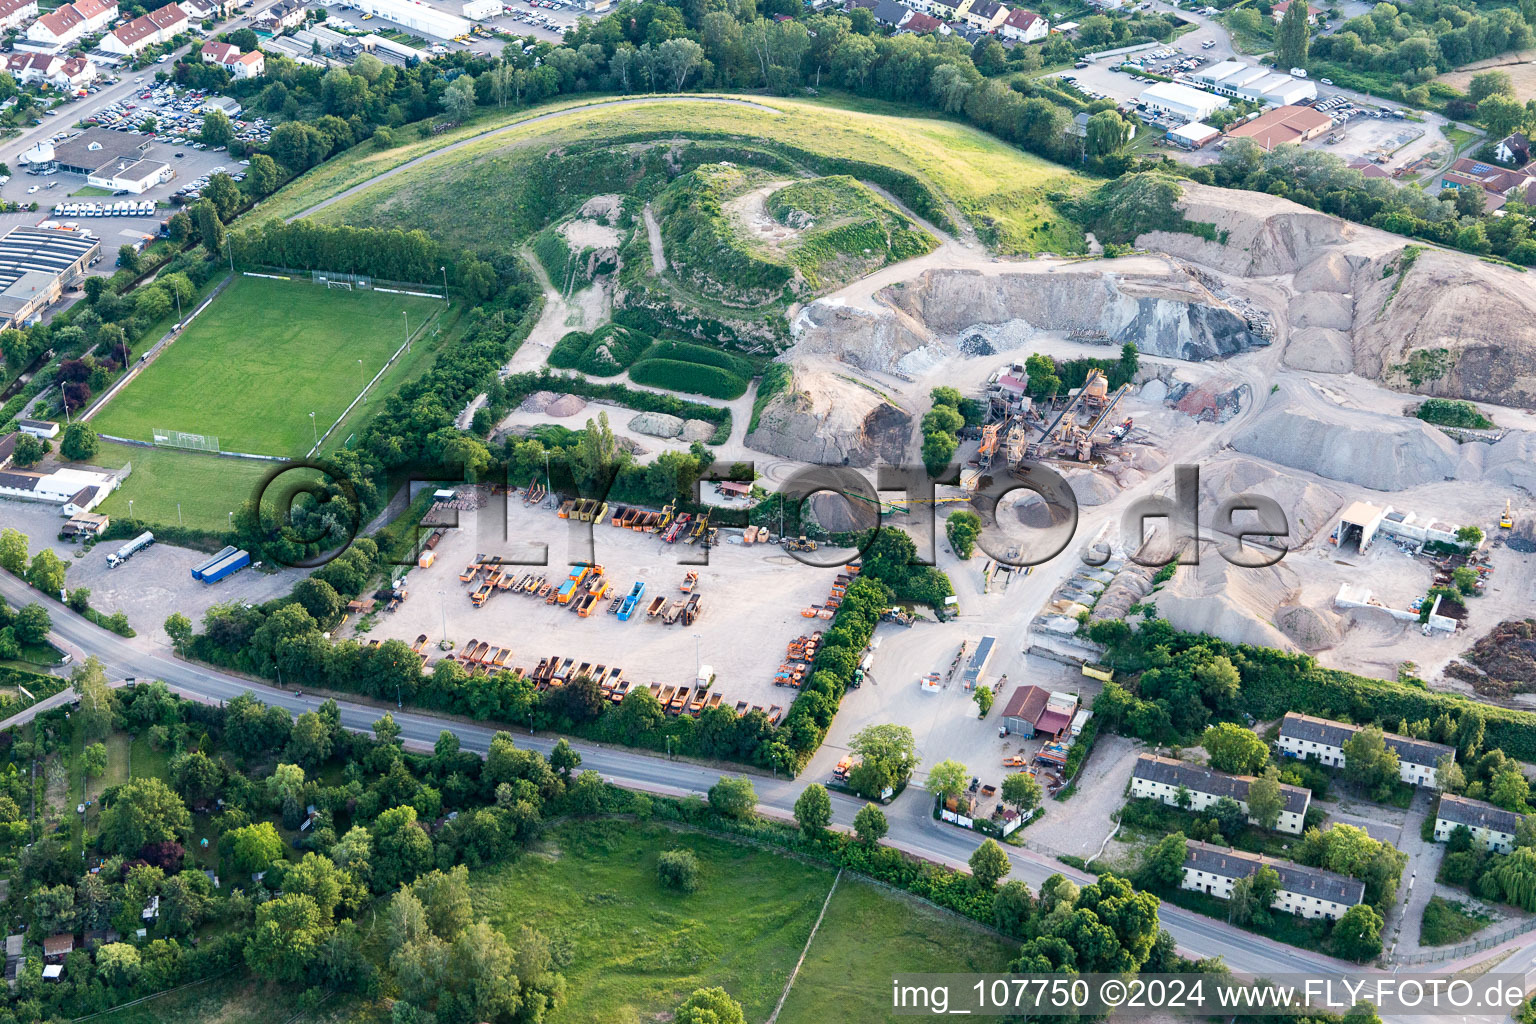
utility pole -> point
(314, 429)
(407, 315)
(445, 284)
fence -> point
(1457, 952)
(423, 289)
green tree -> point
(1021, 791)
(1291, 37)
(1265, 798)
(1232, 748)
(47, 572)
(1164, 865)
(310, 742)
(947, 778)
(93, 759)
(1369, 762)
(1509, 789)
(1490, 83)
(13, 550)
(813, 810)
(710, 1006)
(142, 811)
(1012, 908)
(1465, 579)
(1449, 778)
(989, 864)
(79, 442)
(733, 797)
(1501, 115)
(98, 705)
(118, 964)
(255, 847)
(32, 624)
(870, 825)
(564, 759)
(888, 746)
(263, 176)
(1357, 935)
(983, 696)
(962, 528)
(285, 942)
(1108, 133)
(678, 869)
(195, 775)
(217, 131)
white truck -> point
(130, 549)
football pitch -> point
(263, 357)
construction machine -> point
(1507, 520)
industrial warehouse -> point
(36, 265)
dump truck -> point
(470, 572)
(480, 594)
(689, 582)
(598, 589)
(693, 609)
(679, 700)
(585, 608)
(656, 607)
(627, 608)
(673, 612)
(130, 549)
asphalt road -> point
(912, 829)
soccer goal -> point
(333, 279)
(181, 439)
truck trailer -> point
(130, 549)
(208, 563)
(226, 566)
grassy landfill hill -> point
(494, 191)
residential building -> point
(889, 12)
(282, 16)
(1163, 778)
(1181, 101)
(949, 10)
(215, 52)
(1304, 736)
(152, 29)
(1499, 184)
(8, 448)
(1281, 126)
(1511, 149)
(922, 24)
(1305, 892)
(1023, 26)
(1492, 828)
(1278, 12)
(229, 57)
(13, 13)
(248, 65)
(985, 15)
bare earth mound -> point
(1237, 604)
(831, 420)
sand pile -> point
(1213, 400)
(1311, 629)
(1237, 604)
(1380, 452)
(552, 403)
(1308, 506)
(831, 419)
(697, 430)
(1509, 462)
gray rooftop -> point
(1200, 779)
(1303, 881)
(1322, 730)
(1476, 814)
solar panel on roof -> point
(1481, 169)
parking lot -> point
(177, 121)
(545, 20)
(753, 596)
(149, 585)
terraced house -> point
(1165, 779)
(1493, 828)
(1303, 736)
(1305, 892)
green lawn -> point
(464, 198)
(871, 934)
(637, 950)
(144, 760)
(207, 487)
(259, 360)
(236, 999)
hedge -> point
(702, 354)
(691, 378)
(605, 352)
(520, 386)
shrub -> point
(1449, 412)
(678, 869)
(606, 352)
(690, 378)
(688, 353)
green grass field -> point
(638, 949)
(1001, 190)
(871, 934)
(236, 999)
(207, 487)
(260, 359)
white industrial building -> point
(73, 490)
(416, 17)
(1193, 135)
(481, 10)
(1181, 101)
(1261, 85)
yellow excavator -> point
(1507, 520)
